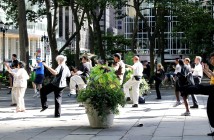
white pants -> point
(135, 85)
(76, 80)
(13, 95)
(20, 93)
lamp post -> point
(3, 29)
(45, 41)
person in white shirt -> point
(134, 81)
(187, 63)
(177, 95)
(20, 86)
(14, 70)
(79, 76)
(197, 75)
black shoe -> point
(135, 105)
(57, 116)
(128, 99)
(140, 125)
(195, 106)
(210, 134)
(13, 104)
(43, 109)
(158, 98)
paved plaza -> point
(161, 121)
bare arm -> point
(207, 73)
(54, 72)
(8, 67)
(129, 66)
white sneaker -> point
(35, 95)
(73, 93)
(177, 104)
(38, 96)
(185, 114)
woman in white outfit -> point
(15, 69)
(20, 86)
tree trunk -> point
(134, 35)
(152, 54)
(77, 56)
(23, 34)
(91, 39)
(91, 33)
(99, 40)
(51, 29)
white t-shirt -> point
(20, 78)
(177, 69)
(66, 73)
(198, 70)
(137, 69)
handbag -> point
(57, 79)
(32, 76)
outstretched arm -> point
(54, 72)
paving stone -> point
(166, 138)
(136, 137)
(161, 121)
(106, 138)
(78, 137)
(86, 131)
(166, 132)
(197, 138)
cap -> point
(38, 58)
(117, 55)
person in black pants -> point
(159, 75)
(57, 85)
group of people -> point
(187, 81)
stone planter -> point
(96, 121)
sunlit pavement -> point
(161, 121)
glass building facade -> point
(173, 42)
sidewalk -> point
(161, 121)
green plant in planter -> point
(103, 91)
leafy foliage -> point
(115, 44)
(197, 24)
(103, 92)
(129, 58)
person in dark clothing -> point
(159, 75)
(146, 69)
(56, 86)
(182, 82)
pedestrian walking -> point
(37, 83)
(56, 86)
(134, 81)
(20, 85)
